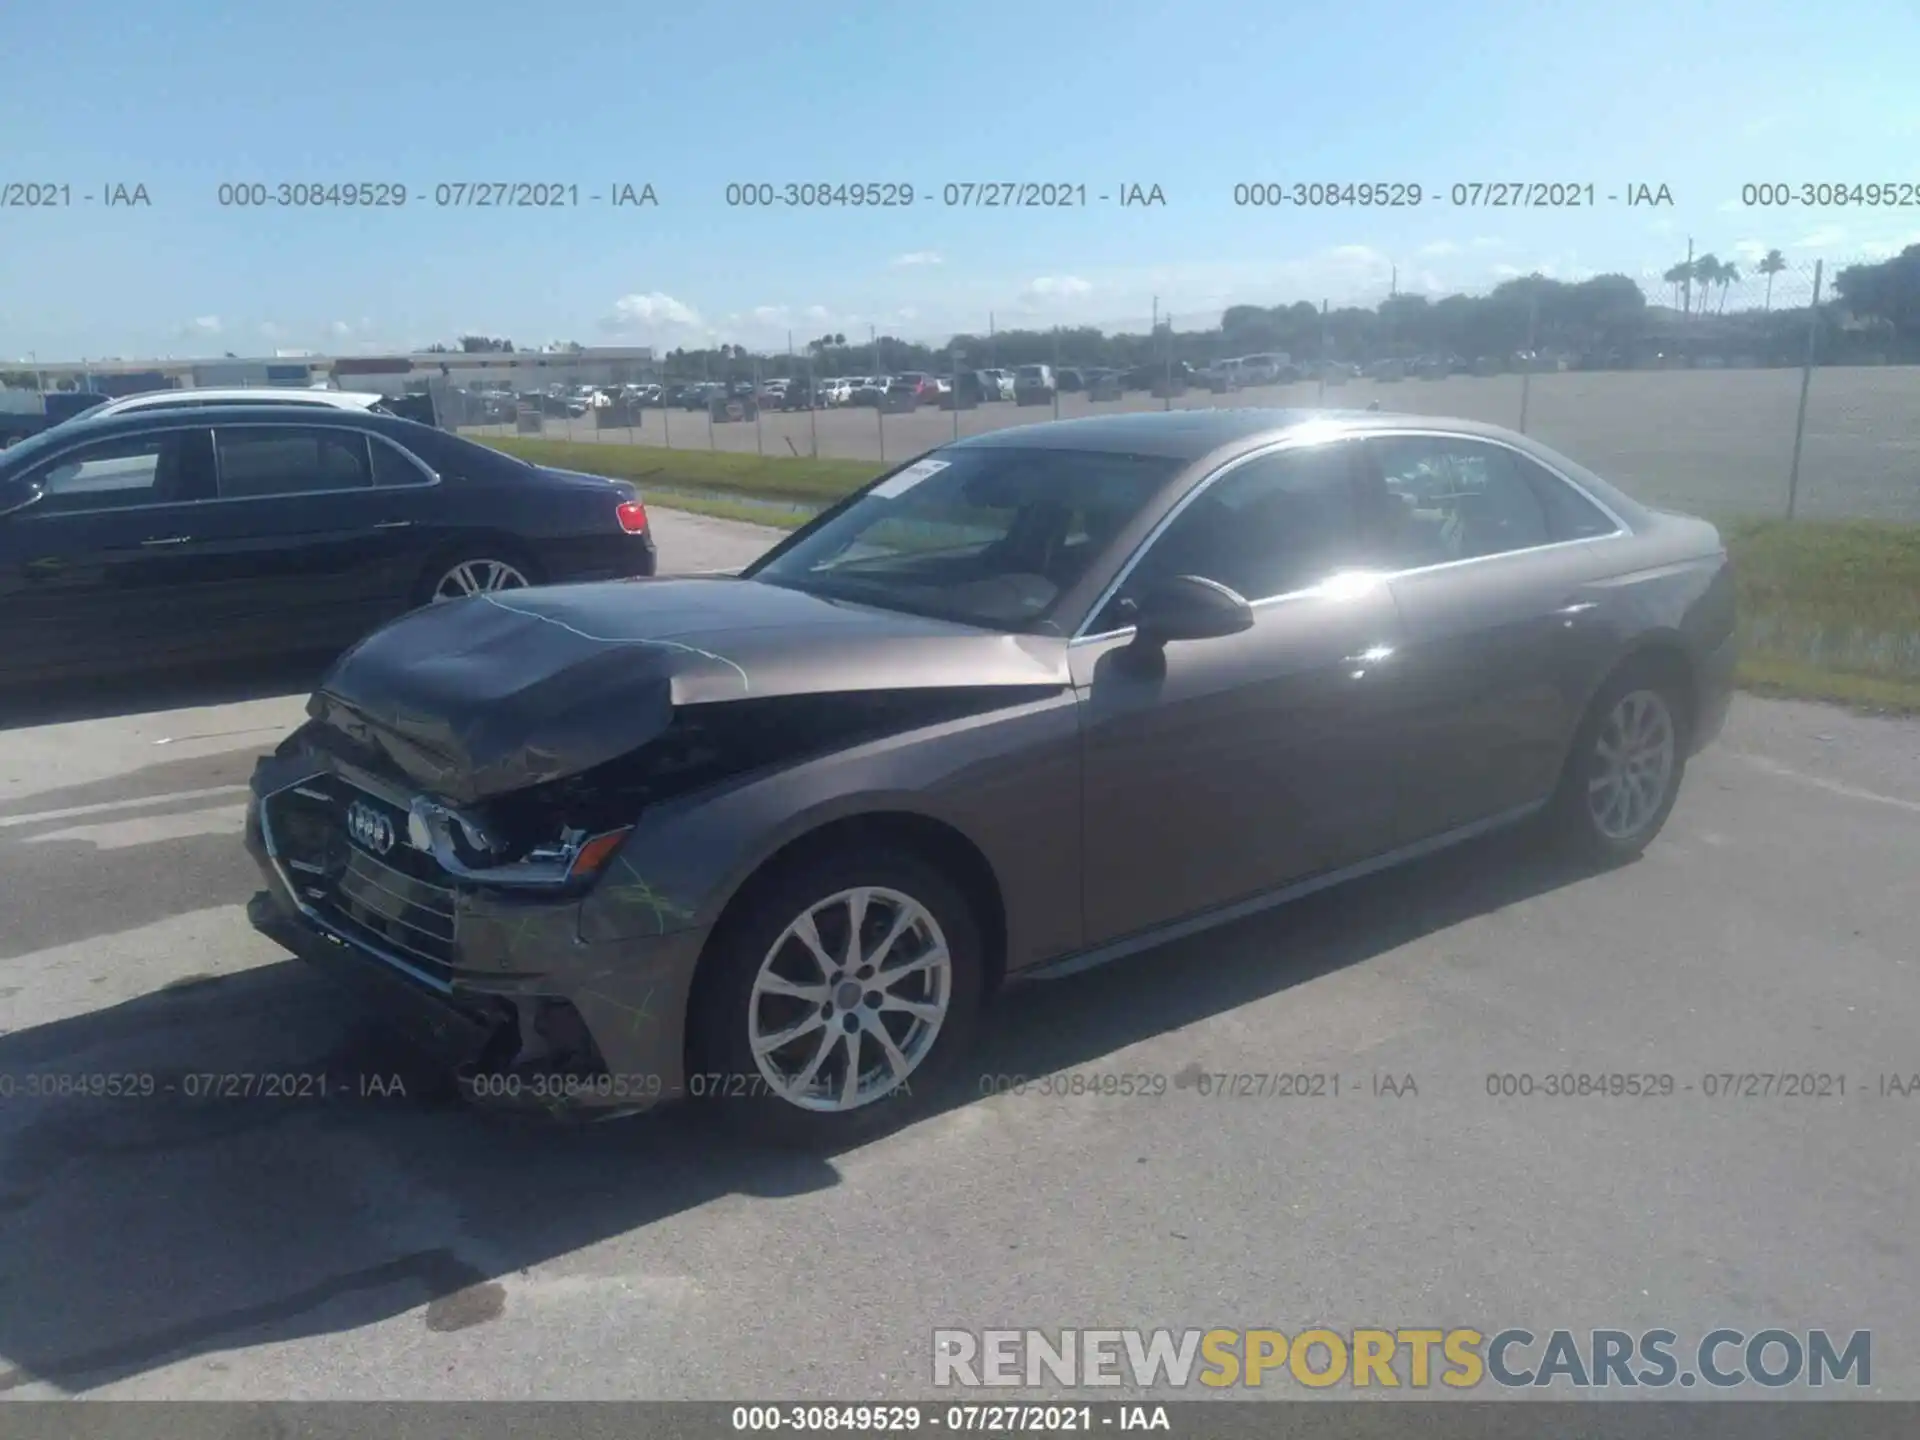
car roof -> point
(93, 425)
(337, 399)
(1194, 435)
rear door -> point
(97, 573)
(1501, 565)
(317, 537)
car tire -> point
(1614, 796)
(483, 560)
(756, 942)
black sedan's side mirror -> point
(1189, 607)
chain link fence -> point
(1730, 394)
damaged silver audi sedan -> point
(1040, 698)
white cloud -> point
(203, 325)
(1057, 287)
(1886, 249)
(906, 312)
(340, 329)
(1439, 247)
(1750, 252)
(919, 257)
(271, 331)
(1825, 236)
(1508, 272)
(1486, 242)
(650, 313)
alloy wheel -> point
(478, 577)
(1632, 765)
(849, 1000)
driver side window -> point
(109, 476)
(1269, 527)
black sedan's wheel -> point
(836, 996)
(1624, 771)
(478, 577)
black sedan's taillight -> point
(633, 516)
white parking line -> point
(109, 807)
(1836, 787)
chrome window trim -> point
(1351, 436)
(433, 476)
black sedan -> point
(149, 539)
(1041, 698)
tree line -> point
(1869, 312)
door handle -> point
(393, 524)
(170, 540)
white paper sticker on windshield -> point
(909, 477)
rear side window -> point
(391, 468)
(266, 460)
(1455, 499)
(1570, 515)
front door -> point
(1254, 760)
(97, 573)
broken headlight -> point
(468, 849)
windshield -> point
(992, 537)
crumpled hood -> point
(479, 697)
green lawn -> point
(767, 477)
(1830, 610)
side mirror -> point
(18, 495)
(1189, 607)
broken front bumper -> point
(503, 989)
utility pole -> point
(1686, 302)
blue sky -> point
(1194, 97)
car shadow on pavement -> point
(186, 1215)
(64, 702)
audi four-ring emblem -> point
(369, 827)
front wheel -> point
(1624, 771)
(837, 995)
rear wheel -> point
(1624, 771)
(479, 569)
(836, 996)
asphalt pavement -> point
(383, 1243)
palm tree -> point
(1729, 276)
(1706, 274)
(1676, 276)
(1770, 266)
